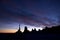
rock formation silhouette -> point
(19, 31)
(45, 34)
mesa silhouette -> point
(45, 34)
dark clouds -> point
(30, 12)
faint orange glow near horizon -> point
(8, 31)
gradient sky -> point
(32, 13)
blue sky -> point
(35, 13)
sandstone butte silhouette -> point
(45, 34)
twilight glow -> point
(31, 13)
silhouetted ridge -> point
(45, 34)
(54, 29)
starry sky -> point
(30, 13)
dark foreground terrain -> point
(46, 34)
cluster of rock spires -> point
(45, 34)
(54, 29)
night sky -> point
(30, 13)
